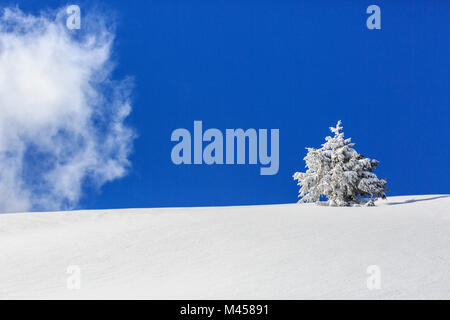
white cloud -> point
(61, 114)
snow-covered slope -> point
(280, 251)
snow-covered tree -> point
(339, 173)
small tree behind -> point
(339, 173)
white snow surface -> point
(292, 251)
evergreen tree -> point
(339, 173)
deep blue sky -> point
(294, 65)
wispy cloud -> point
(61, 114)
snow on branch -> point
(339, 173)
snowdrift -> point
(256, 252)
